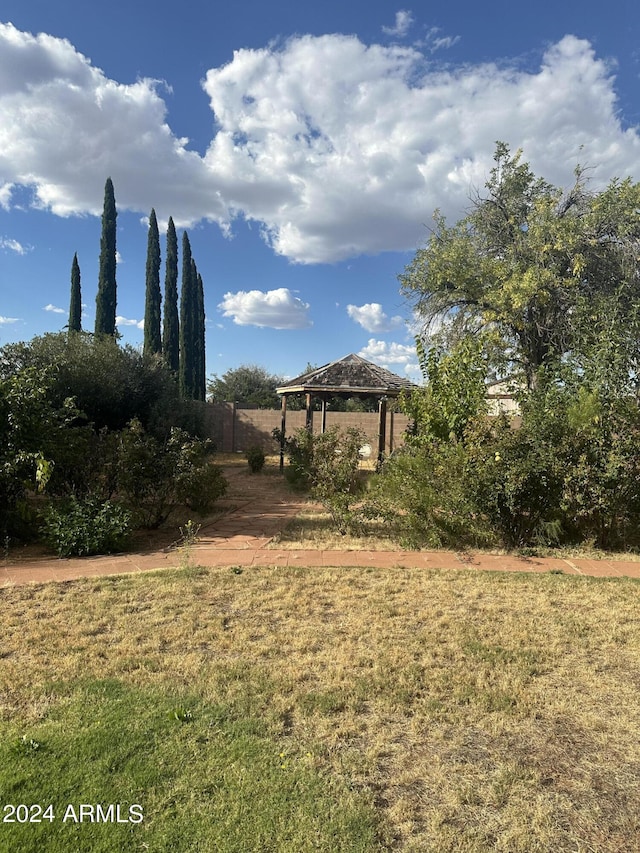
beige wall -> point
(237, 430)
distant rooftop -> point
(348, 376)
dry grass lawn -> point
(482, 712)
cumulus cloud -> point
(66, 127)
(6, 320)
(54, 309)
(334, 147)
(275, 309)
(372, 318)
(388, 354)
(122, 321)
(10, 245)
(404, 20)
(340, 148)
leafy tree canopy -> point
(110, 384)
(249, 384)
(530, 262)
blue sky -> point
(303, 146)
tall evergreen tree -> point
(75, 303)
(170, 333)
(193, 307)
(152, 339)
(201, 382)
(106, 296)
(187, 324)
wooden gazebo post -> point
(324, 414)
(382, 428)
(283, 426)
(308, 423)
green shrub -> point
(255, 459)
(154, 477)
(569, 475)
(200, 487)
(110, 384)
(89, 526)
(420, 492)
(328, 466)
(513, 477)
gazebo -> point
(351, 376)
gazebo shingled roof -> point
(348, 376)
(351, 376)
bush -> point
(29, 429)
(153, 477)
(420, 492)
(514, 479)
(110, 384)
(200, 487)
(83, 527)
(569, 475)
(255, 459)
(84, 463)
(328, 465)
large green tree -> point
(106, 296)
(249, 384)
(152, 338)
(75, 302)
(192, 328)
(201, 383)
(170, 328)
(188, 332)
(530, 262)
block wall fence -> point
(235, 430)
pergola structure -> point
(351, 376)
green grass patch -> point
(187, 775)
(294, 709)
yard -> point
(338, 710)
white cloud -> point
(6, 320)
(387, 354)
(275, 309)
(54, 309)
(372, 318)
(404, 20)
(66, 127)
(334, 147)
(356, 159)
(8, 244)
(122, 321)
(434, 42)
(5, 195)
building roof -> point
(349, 376)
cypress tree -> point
(106, 296)
(170, 334)
(201, 383)
(187, 329)
(75, 303)
(193, 308)
(152, 340)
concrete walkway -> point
(262, 508)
